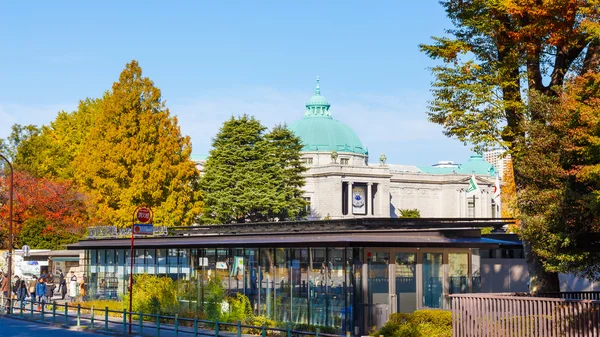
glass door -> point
(432, 280)
(406, 282)
(378, 286)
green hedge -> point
(421, 323)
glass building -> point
(348, 274)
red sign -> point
(144, 214)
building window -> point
(307, 206)
(306, 161)
(471, 208)
(344, 161)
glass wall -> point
(299, 285)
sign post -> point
(143, 215)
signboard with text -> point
(143, 229)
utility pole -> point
(10, 228)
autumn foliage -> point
(58, 203)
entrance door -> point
(432, 280)
(405, 281)
(378, 296)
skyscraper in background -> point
(499, 159)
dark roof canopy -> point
(363, 232)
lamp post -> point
(10, 228)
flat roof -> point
(362, 232)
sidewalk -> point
(114, 325)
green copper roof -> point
(475, 165)
(320, 132)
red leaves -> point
(34, 197)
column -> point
(369, 199)
(349, 198)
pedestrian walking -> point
(21, 287)
(73, 286)
(40, 292)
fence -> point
(475, 315)
(142, 324)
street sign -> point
(25, 250)
(143, 229)
(143, 214)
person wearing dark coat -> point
(62, 287)
(49, 290)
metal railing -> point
(518, 315)
(142, 324)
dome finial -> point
(318, 90)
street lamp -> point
(10, 229)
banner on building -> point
(359, 200)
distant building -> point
(499, 158)
(342, 183)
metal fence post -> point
(54, 312)
(92, 318)
(66, 313)
(43, 309)
(195, 326)
(176, 325)
(21, 309)
(264, 331)
(78, 314)
(289, 330)
(31, 311)
(106, 318)
(317, 330)
(141, 323)
(217, 328)
(124, 321)
(157, 325)
(239, 328)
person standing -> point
(62, 286)
(4, 288)
(40, 292)
(21, 290)
(73, 286)
(50, 290)
(31, 287)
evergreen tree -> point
(286, 147)
(250, 175)
(135, 155)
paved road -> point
(17, 328)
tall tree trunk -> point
(540, 280)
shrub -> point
(153, 294)
(239, 308)
(313, 328)
(258, 321)
(421, 323)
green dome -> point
(320, 132)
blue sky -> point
(216, 59)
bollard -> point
(317, 332)
(78, 314)
(289, 330)
(264, 331)
(157, 325)
(176, 325)
(217, 328)
(106, 318)
(21, 309)
(92, 318)
(239, 332)
(54, 312)
(31, 311)
(124, 321)
(43, 309)
(66, 313)
(195, 326)
(141, 323)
